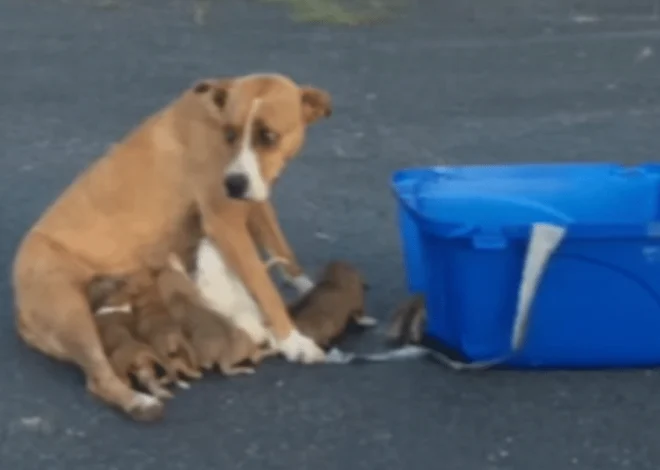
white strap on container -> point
(544, 240)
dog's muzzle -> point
(236, 186)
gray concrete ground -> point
(452, 81)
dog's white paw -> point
(302, 283)
(299, 348)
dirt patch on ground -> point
(341, 12)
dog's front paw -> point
(299, 348)
(302, 283)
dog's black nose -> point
(236, 186)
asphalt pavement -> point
(446, 82)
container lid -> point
(607, 197)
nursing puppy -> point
(155, 325)
(150, 319)
(115, 322)
(337, 300)
(215, 150)
(215, 339)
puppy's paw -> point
(299, 348)
(253, 326)
(152, 384)
(145, 408)
(162, 393)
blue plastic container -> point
(465, 233)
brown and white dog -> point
(215, 150)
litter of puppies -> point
(158, 331)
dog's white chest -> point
(225, 293)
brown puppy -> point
(215, 150)
(215, 339)
(155, 325)
(408, 320)
(337, 299)
(115, 321)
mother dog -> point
(214, 151)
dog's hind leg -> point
(54, 317)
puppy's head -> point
(106, 291)
(343, 274)
(264, 120)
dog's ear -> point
(218, 89)
(366, 286)
(316, 104)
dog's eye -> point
(230, 135)
(266, 137)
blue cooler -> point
(549, 265)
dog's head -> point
(264, 118)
